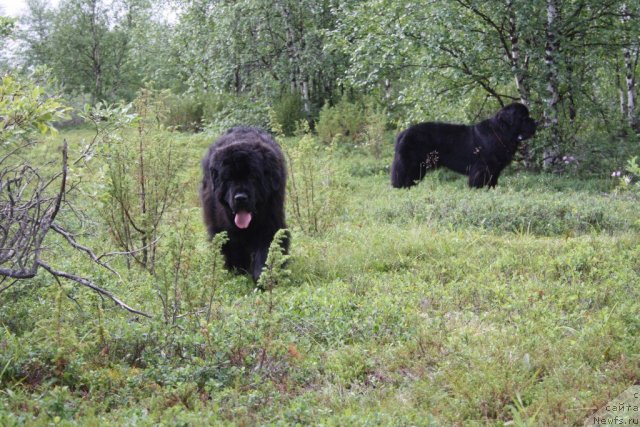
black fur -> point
(244, 171)
(479, 151)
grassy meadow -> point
(436, 305)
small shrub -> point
(185, 113)
(274, 273)
(328, 126)
(313, 192)
(343, 120)
(375, 126)
(224, 111)
(630, 181)
(142, 175)
(288, 110)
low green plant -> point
(288, 110)
(224, 111)
(275, 273)
(345, 120)
(630, 181)
(185, 112)
(313, 189)
(374, 129)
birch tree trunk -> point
(630, 53)
(621, 92)
(629, 66)
(552, 47)
(96, 58)
(518, 67)
(292, 50)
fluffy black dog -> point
(242, 193)
(480, 151)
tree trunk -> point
(96, 57)
(630, 80)
(292, 51)
(621, 93)
(305, 98)
(630, 54)
(518, 68)
(552, 46)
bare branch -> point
(91, 285)
(27, 214)
(72, 241)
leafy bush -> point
(631, 180)
(345, 120)
(224, 111)
(142, 174)
(26, 108)
(185, 112)
(374, 129)
(288, 110)
(313, 190)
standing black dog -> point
(480, 151)
(243, 193)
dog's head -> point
(515, 117)
(244, 180)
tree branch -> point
(91, 285)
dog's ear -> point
(274, 180)
(215, 177)
(272, 171)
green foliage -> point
(224, 111)
(185, 112)
(434, 305)
(26, 108)
(105, 49)
(234, 59)
(288, 110)
(7, 26)
(142, 177)
(188, 275)
(274, 273)
(258, 48)
(630, 181)
(313, 189)
(374, 129)
(341, 121)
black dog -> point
(480, 151)
(243, 193)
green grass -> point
(434, 305)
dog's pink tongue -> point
(243, 219)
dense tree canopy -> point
(574, 62)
